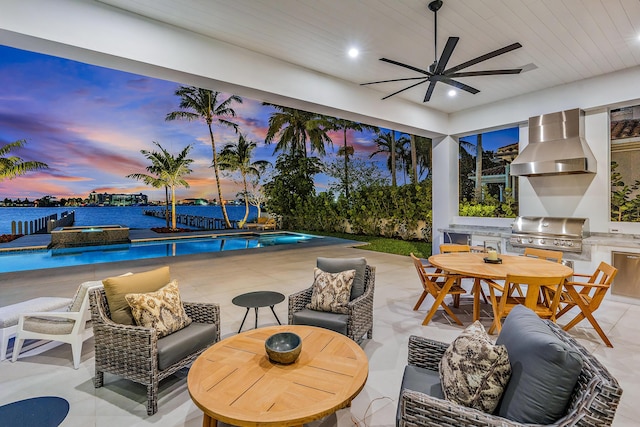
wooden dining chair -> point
(549, 255)
(587, 296)
(503, 303)
(435, 284)
(449, 248)
(546, 254)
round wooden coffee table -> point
(234, 381)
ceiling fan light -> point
(353, 52)
(452, 92)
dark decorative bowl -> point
(283, 347)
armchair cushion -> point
(421, 380)
(322, 319)
(473, 371)
(116, 288)
(331, 291)
(162, 310)
(542, 366)
(180, 344)
(336, 265)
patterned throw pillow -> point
(331, 291)
(161, 310)
(473, 371)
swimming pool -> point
(22, 260)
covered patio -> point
(219, 279)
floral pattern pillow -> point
(473, 371)
(331, 291)
(162, 310)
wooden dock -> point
(196, 221)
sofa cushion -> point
(473, 371)
(331, 291)
(544, 370)
(322, 319)
(336, 265)
(421, 380)
(115, 288)
(180, 344)
(162, 309)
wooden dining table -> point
(473, 265)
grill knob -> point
(556, 242)
(542, 241)
(569, 243)
(530, 240)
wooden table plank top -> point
(234, 381)
(473, 265)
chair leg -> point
(370, 333)
(76, 351)
(17, 346)
(152, 397)
(98, 380)
(420, 300)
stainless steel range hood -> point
(556, 146)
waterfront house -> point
(576, 54)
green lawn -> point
(383, 244)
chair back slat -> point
(448, 248)
(555, 256)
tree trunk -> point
(173, 207)
(346, 167)
(166, 205)
(393, 158)
(215, 170)
(414, 161)
(246, 199)
(478, 192)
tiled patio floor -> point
(219, 279)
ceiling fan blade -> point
(400, 64)
(459, 85)
(486, 73)
(446, 54)
(406, 88)
(392, 80)
(427, 96)
(484, 57)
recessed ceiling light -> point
(452, 92)
(353, 52)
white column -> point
(445, 189)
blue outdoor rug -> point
(46, 411)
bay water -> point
(128, 216)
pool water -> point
(53, 258)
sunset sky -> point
(89, 124)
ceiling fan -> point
(437, 72)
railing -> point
(43, 225)
(202, 222)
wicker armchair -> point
(360, 316)
(593, 403)
(132, 351)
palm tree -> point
(167, 171)
(197, 103)
(237, 157)
(347, 150)
(423, 157)
(294, 127)
(12, 166)
(387, 144)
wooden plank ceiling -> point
(563, 40)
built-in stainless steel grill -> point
(564, 234)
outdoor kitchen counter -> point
(478, 230)
(616, 240)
